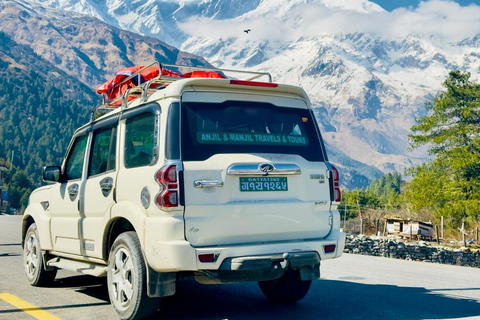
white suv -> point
(222, 179)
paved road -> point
(352, 287)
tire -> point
(127, 279)
(33, 260)
(287, 289)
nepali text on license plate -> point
(263, 184)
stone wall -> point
(416, 251)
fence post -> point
(360, 216)
(463, 234)
(436, 234)
(377, 227)
(441, 226)
(359, 210)
(476, 234)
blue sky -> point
(390, 5)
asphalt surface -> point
(352, 287)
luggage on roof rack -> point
(132, 82)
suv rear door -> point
(253, 171)
(98, 196)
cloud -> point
(440, 18)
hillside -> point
(50, 63)
(40, 107)
(83, 46)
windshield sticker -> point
(250, 138)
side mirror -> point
(52, 173)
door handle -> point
(207, 184)
(106, 185)
(73, 191)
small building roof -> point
(397, 219)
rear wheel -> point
(33, 260)
(287, 289)
(127, 280)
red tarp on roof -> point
(203, 74)
(112, 89)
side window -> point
(102, 156)
(74, 165)
(139, 140)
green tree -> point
(450, 184)
(19, 186)
(358, 197)
(388, 189)
(383, 193)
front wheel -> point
(127, 280)
(33, 260)
(289, 288)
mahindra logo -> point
(266, 167)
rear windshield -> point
(247, 127)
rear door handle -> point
(106, 185)
(207, 184)
(73, 191)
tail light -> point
(209, 257)
(167, 177)
(337, 194)
(329, 248)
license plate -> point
(263, 184)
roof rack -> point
(144, 89)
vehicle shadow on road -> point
(327, 299)
(9, 254)
(88, 285)
(9, 247)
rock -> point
(419, 251)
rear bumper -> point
(179, 255)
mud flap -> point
(160, 284)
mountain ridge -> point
(367, 88)
(81, 45)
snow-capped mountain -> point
(367, 71)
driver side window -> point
(74, 165)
